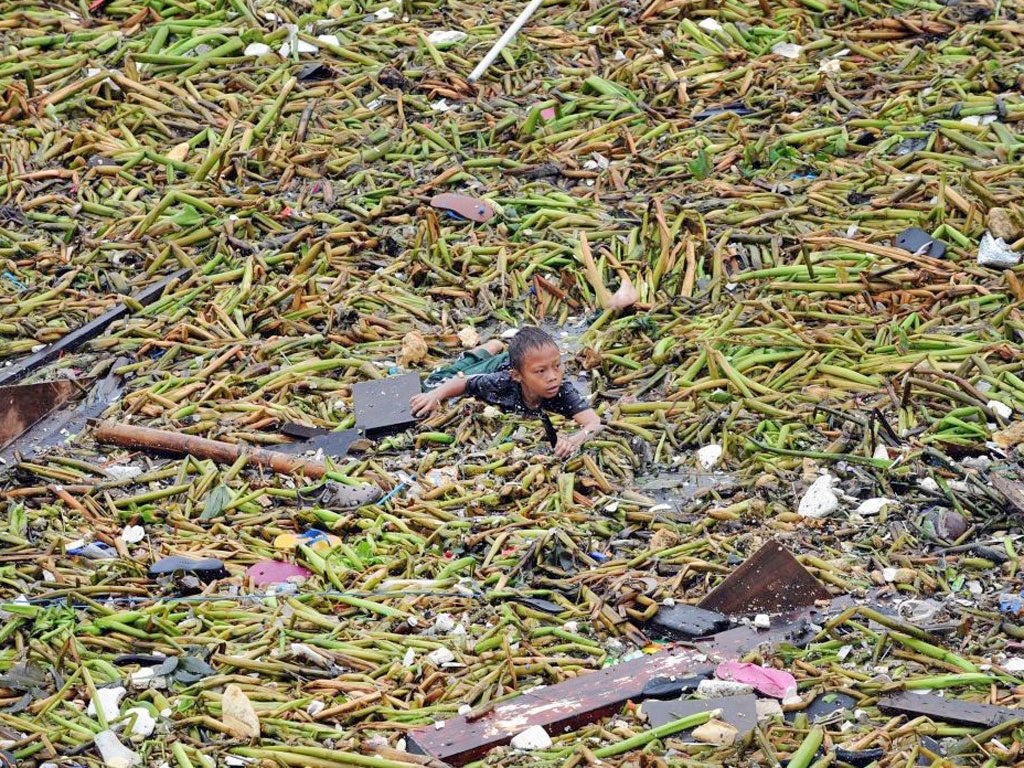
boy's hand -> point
(423, 404)
(567, 446)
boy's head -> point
(536, 363)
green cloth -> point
(468, 364)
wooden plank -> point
(557, 708)
(953, 711)
(769, 581)
(86, 333)
(585, 699)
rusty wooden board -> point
(953, 711)
(582, 700)
(557, 708)
(22, 405)
(769, 581)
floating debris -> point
(227, 209)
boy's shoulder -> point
(497, 384)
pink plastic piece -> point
(770, 682)
(548, 113)
(274, 572)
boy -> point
(530, 382)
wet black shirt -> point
(500, 389)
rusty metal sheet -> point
(769, 581)
(22, 405)
(63, 423)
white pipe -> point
(504, 40)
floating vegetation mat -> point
(818, 203)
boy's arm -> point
(590, 424)
(427, 402)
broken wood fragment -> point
(558, 707)
(567, 705)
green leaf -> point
(187, 217)
(219, 498)
(701, 166)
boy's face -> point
(541, 373)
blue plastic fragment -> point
(17, 283)
(1011, 604)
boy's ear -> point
(515, 375)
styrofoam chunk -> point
(788, 50)
(875, 505)
(709, 455)
(534, 737)
(712, 689)
(113, 753)
(144, 724)
(109, 702)
(255, 50)
(819, 500)
(440, 656)
(1001, 409)
(446, 37)
(133, 534)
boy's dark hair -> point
(529, 337)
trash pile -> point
(779, 244)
